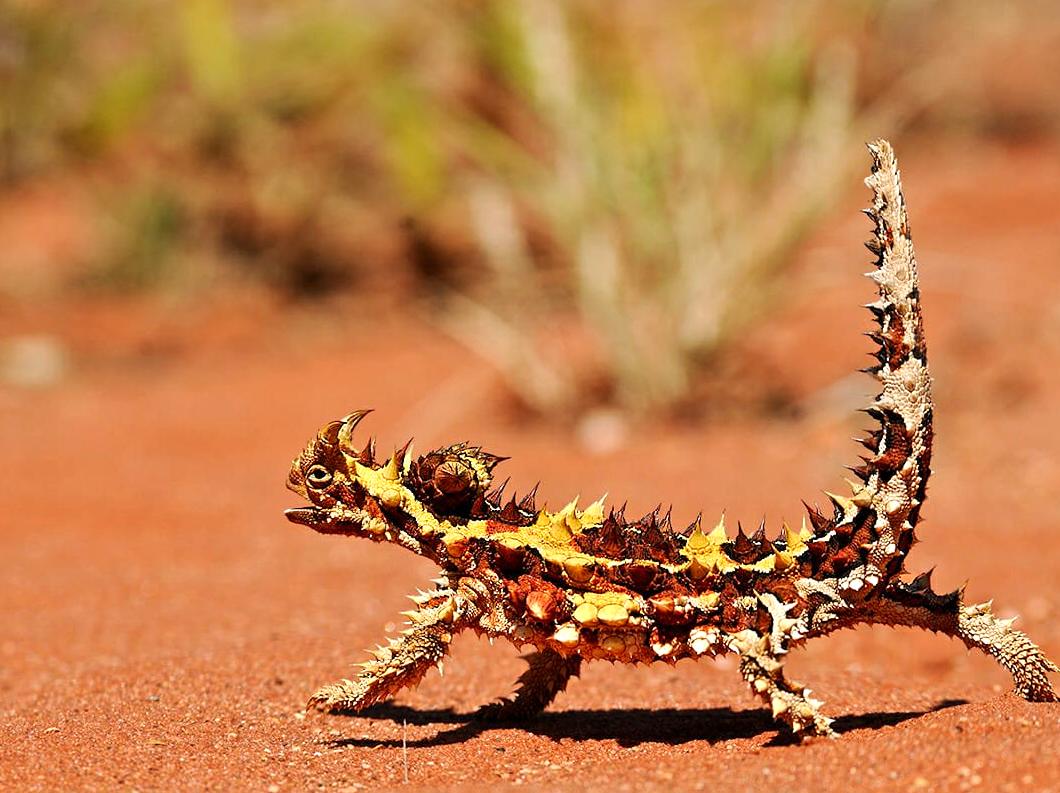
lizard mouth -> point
(306, 516)
(322, 520)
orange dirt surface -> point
(161, 624)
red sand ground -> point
(161, 625)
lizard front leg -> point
(791, 703)
(404, 660)
(546, 676)
(917, 606)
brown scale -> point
(846, 549)
(840, 560)
(642, 576)
(897, 444)
(923, 465)
(893, 349)
(920, 346)
(864, 528)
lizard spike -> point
(742, 545)
(862, 496)
(793, 540)
(845, 509)
(404, 456)
(872, 442)
(349, 423)
(819, 522)
(490, 461)
(528, 502)
(651, 518)
(493, 498)
(367, 455)
(329, 433)
(390, 469)
(759, 536)
(922, 583)
(862, 472)
(609, 537)
(594, 512)
(873, 412)
(479, 507)
(510, 513)
(718, 533)
(697, 523)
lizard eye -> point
(318, 477)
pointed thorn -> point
(404, 456)
(367, 456)
(527, 504)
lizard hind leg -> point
(547, 675)
(1013, 649)
(917, 606)
(790, 702)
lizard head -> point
(401, 499)
(324, 474)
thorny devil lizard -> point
(588, 584)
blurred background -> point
(618, 241)
(593, 198)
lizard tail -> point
(872, 530)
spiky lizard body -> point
(588, 584)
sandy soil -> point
(161, 625)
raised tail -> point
(871, 531)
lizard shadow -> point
(627, 727)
